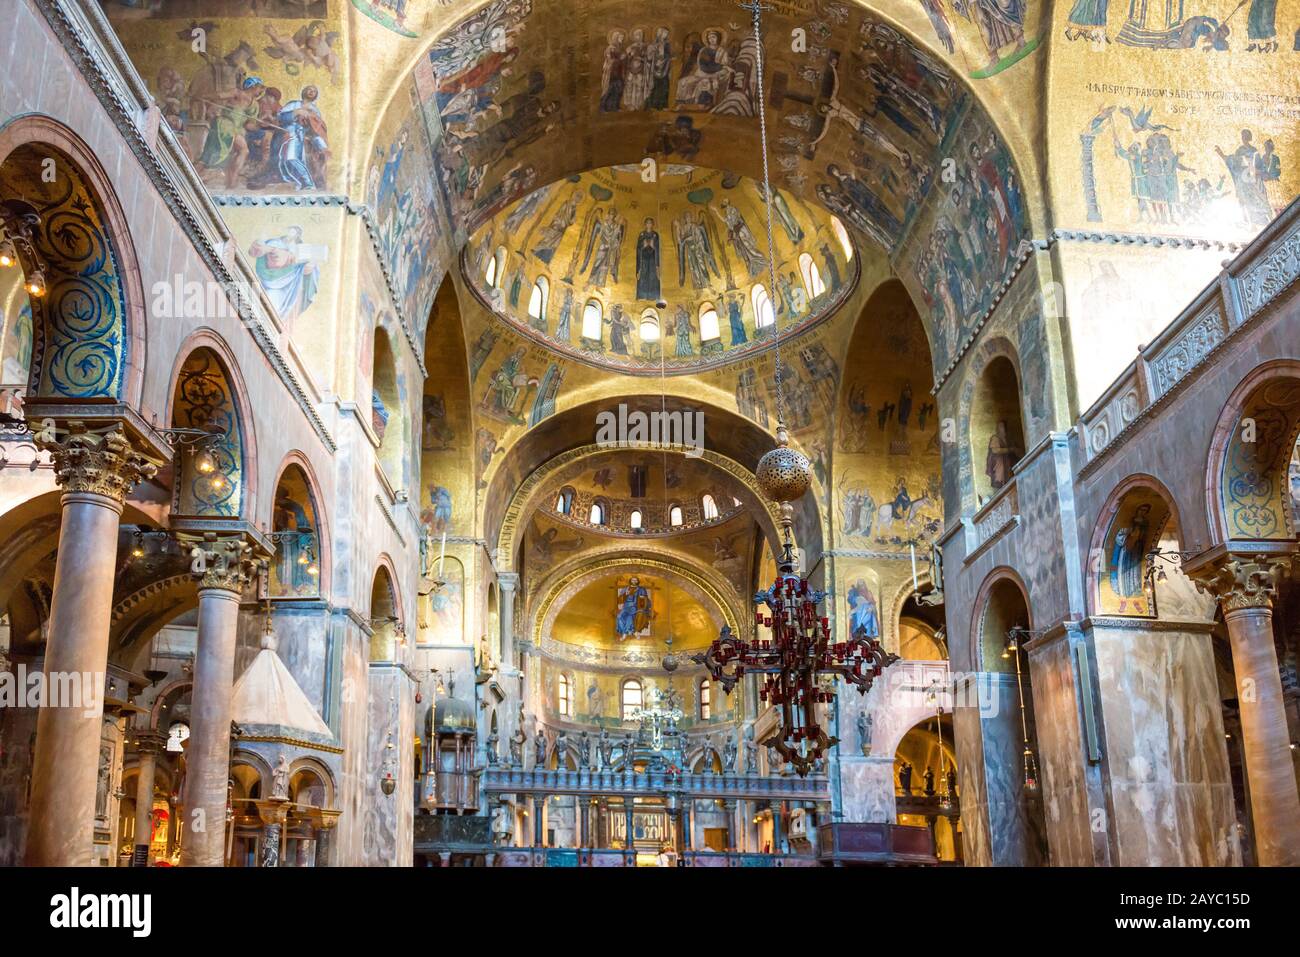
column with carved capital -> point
(95, 468)
(148, 745)
(1246, 587)
(223, 566)
(508, 582)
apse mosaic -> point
(671, 275)
(79, 347)
(1121, 572)
(254, 93)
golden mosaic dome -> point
(641, 276)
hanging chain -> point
(756, 7)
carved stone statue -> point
(729, 754)
(928, 777)
(951, 778)
(493, 742)
(905, 778)
(539, 749)
(517, 742)
(864, 732)
(280, 778)
(605, 748)
(751, 752)
(561, 750)
(774, 762)
(502, 824)
(584, 752)
(629, 749)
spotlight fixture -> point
(205, 463)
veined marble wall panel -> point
(867, 788)
(1014, 836)
(388, 829)
(1170, 789)
(970, 772)
(354, 696)
(1068, 806)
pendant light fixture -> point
(800, 652)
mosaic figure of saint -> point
(635, 609)
(552, 234)
(604, 247)
(742, 239)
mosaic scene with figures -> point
(592, 433)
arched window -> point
(675, 516)
(496, 267)
(539, 297)
(592, 315)
(710, 508)
(564, 503)
(649, 326)
(631, 698)
(564, 694)
(764, 315)
(176, 736)
(842, 235)
(597, 514)
(634, 520)
(709, 323)
(706, 700)
(812, 277)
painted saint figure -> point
(1002, 456)
(552, 234)
(742, 239)
(604, 247)
(647, 263)
(694, 251)
(635, 610)
(863, 616)
(1128, 554)
(289, 271)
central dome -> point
(648, 276)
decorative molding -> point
(1271, 276)
(1188, 350)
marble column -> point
(629, 851)
(539, 808)
(507, 582)
(149, 744)
(223, 566)
(1246, 587)
(729, 811)
(95, 468)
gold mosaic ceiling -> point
(674, 269)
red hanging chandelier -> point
(795, 662)
(799, 662)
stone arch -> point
(509, 536)
(103, 271)
(387, 620)
(1143, 508)
(991, 391)
(995, 585)
(319, 770)
(207, 391)
(297, 461)
(1247, 485)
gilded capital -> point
(99, 460)
(220, 561)
(1240, 582)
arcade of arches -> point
(384, 384)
